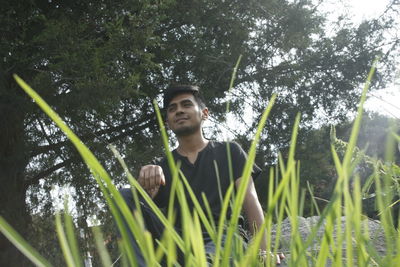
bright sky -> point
(366, 8)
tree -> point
(71, 52)
(99, 64)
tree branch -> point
(47, 172)
(52, 147)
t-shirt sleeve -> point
(239, 158)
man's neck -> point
(191, 144)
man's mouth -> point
(180, 119)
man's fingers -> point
(151, 177)
(278, 259)
(159, 177)
(147, 177)
(141, 179)
(162, 178)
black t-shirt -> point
(209, 174)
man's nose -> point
(179, 110)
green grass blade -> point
(246, 175)
(221, 222)
(362, 256)
(22, 245)
(71, 238)
(164, 136)
(356, 126)
(209, 212)
(101, 248)
(314, 203)
(197, 206)
(69, 258)
(186, 221)
(232, 81)
(197, 242)
(397, 137)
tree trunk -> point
(13, 161)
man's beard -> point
(186, 130)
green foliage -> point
(99, 63)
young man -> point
(203, 162)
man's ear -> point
(204, 114)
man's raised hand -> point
(150, 178)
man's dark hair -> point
(174, 90)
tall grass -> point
(284, 200)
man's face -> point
(184, 116)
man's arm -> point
(253, 211)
